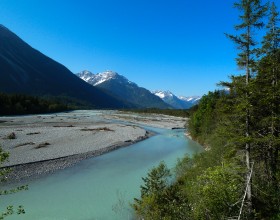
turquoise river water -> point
(100, 188)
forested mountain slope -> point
(24, 70)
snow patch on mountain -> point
(96, 79)
(163, 94)
(193, 99)
(179, 102)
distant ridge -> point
(25, 70)
(178, 102)
(122, 88)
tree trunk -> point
(247, 132)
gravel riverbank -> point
(40, 168)
(40, 144)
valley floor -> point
(40, 144)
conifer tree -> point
(271, 41)
(251, 16)
(269, 94)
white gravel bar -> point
(152, 120)
(45, 137)
(45, 143)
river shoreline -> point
(33, 170)
(46, 143)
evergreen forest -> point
(18, 104)
(172, 112)
(238, 174)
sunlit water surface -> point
(100, 188)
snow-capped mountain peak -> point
(163, 94)
(99, 78)
(86, 75)
(180, 102)
(192, 99)
(105, 76)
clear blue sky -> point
(176, 45)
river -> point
(100, 188)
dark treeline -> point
(15, 104)
(173, 112)
(238, 176)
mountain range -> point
(122, 88)
(177, 102)
(25, 70)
